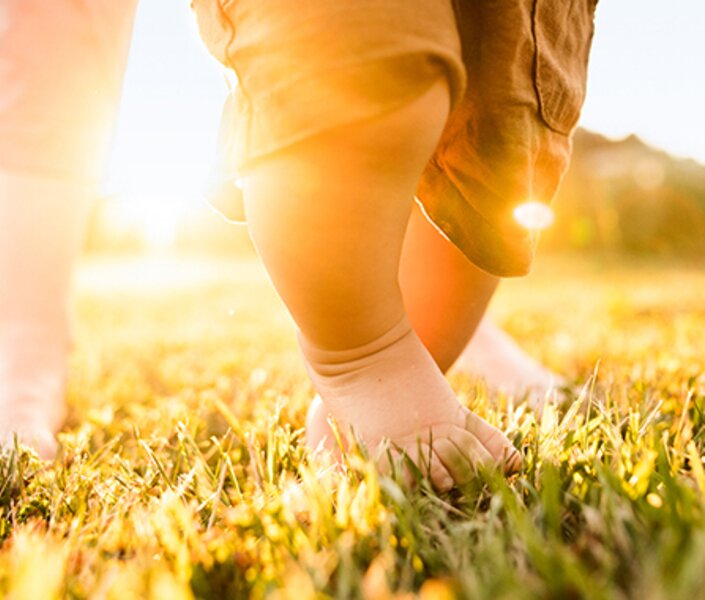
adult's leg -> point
(329, 216)
(61, 66)
(42, 222)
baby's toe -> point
(441, 479)
(462, 455)
(496, 443)
(424, 462)
(512, 462)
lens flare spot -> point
(534, 215)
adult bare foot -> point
(30, 431)
(32, 387)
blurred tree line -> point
(625, 196)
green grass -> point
(183, 475)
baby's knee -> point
(398, 141)
(415, 124)
(405, 137)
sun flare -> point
(534, 216)
(157, 220)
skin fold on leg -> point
(329, 216)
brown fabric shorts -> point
(517, 72)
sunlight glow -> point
(156, 219)
(157, 223)
(534, 215)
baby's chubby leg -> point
(329, 216)
(444, 293)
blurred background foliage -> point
(625, 196)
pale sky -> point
(647, 76)
(647, 73)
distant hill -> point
(625, 195)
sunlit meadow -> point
(183, 474)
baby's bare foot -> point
(494, 356)
(392, 390)
(457, 445)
